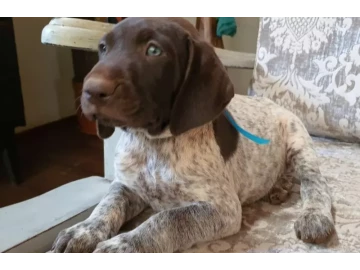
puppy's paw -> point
(118, 244)
(280, 192)
(278, 196)
(82, 237)
(314, 226)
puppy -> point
(160, 83)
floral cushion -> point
(311, 66)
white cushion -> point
(32, 225)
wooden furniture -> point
(85, 35)
(11, 102)
(207, 28)
(8, 152)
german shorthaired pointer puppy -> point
(164, 87)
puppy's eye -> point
(102, 47)
(152, 50)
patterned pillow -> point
(311, 66)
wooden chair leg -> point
(10, 156)
(207, 28)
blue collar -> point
(248, 135)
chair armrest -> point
(32, 225)
(85, 35)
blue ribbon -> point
(248, 135)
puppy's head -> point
(155, 73)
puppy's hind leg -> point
(315, 223)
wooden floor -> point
(51, 156)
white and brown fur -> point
(196, 178)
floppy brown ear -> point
(104, 132)
(205, 92)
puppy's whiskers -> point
(79, 109)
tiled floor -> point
(51, 156)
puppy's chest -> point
(152, 172)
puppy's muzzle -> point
(96, 91)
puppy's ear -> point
(104, 132)
(205, 92)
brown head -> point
(155, 73)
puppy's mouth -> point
(109, 122)
(154, 126)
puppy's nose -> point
(98, 88)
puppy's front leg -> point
(316, 222)
(177, 229)
(117, 207)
